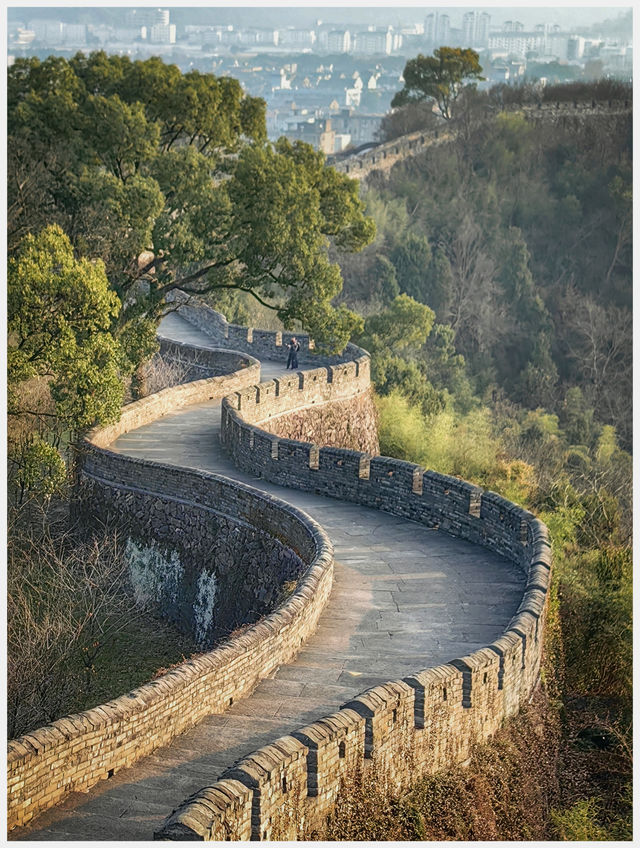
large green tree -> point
(168, 179)
(60, 315)
(440, 77)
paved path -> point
(404, 598)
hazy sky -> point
(283, 14)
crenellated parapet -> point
(383, 156)
(405, 728)
(263, 344)
(402, 729)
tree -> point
(407, 119)
(60, 316)
(169, 180)
(439, 282)
(66, 602)
(440, 77)
(472, 286)
(386, 282)
(599, 341)
(394, 338)
(411, 259)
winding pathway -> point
(405, 597)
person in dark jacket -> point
(294, 347)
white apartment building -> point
(162, 34)
(430, 28)
(339, 41)
(518, 43)
(291, 37)
(443, 30)
(558, 46)
(575, 47)
(483, 27)
(373, 42)
(75, 34)
(469, 29)
(49, 32)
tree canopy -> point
(440, 77)
(60, 314)
(169, 180)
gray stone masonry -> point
(374, 682)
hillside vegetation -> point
(494, 294)
(498, 304)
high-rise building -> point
(519, 43)
(575, 47)
(430, 28)
(374, 43)
(163, 34)
(75, 34)
(443, 30)
(46, 31)
(483, 26)
(339, 41)
(296, 38)
(469, 29)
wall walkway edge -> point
(75, 752)
(408, 727)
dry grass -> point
(507, 792)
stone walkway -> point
(404, 598)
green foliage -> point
(462, 445)
(529, 230)
(393, 337)
(440, 77)
(596, 597)
(579, 823)
(167, 178)
(60, 313)
(403, 324)
(411, 258)
(385, 279)
(38, 469)
(438, 283)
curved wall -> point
(74, 752)
(408, 727)
(268, 344)
(384, 156)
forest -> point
(490, 279)
(497, 305)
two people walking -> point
(294, 347)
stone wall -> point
(384, 156)
(404, 728)
(264, 344)
(75, 752)
(349, 423)
(236, 370)
(202, 570)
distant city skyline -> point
(328, 74)
(298, 15)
